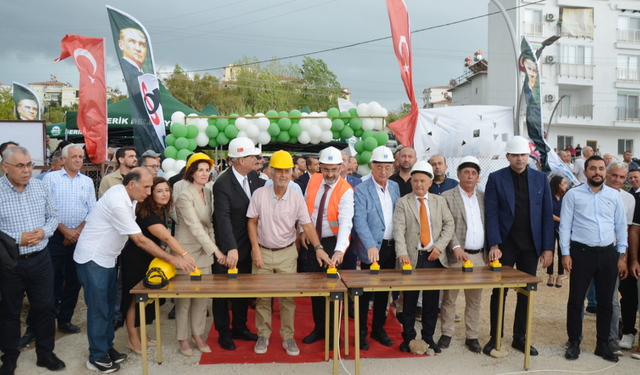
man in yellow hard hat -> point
(273, 213)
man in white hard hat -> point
(375, 200)
(330, 204)
(422, 228)
(232, 194)
(519, 225)
(466, 204)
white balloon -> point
(167, 164)
(264, 138)
(315, 132)
(259, 114)
(304, 114)
(177, 167)
(315, 141)
(177, 117)
(202, 124)
(325, 123)
(326, 136)
(252, 131)
(192, 121)
(375, 109)
(363, 109)
(377, 123)
(305, 124)
(242, 123)
(254, 140)
(367, 124)
(314, 114)
(364, 170)
(304, 137)
(168, 175)
(202, 139)
(242, 133)
(322, 114)
(385, 113)
(263, 123)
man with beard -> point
(407, 158)
(593, 240)
(127, 160)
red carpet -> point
(308, 353)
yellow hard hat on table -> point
(159, 274)
(281, 160)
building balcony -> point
(584, 111)
(534, 28)
(628, 114)
(628, 75)
(628, 35)
(575, 70)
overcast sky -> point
(202, 34)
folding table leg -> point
(326, 328)
(527, 341)
(336, 335)
(356, 330)
(500, 318)
(346, 324)
(158, 333)
(143, 335)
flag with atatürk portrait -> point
(133, 47)
(88, 54)
(26, 101)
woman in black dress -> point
(151, 216)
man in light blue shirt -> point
(593, 226)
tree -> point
(6, 105)
(321, 88)
(398, 113)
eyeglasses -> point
(154, 166)
(21, 166)
(258, 157)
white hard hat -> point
(422, 166)
(518, 145)
(241, 147)
(469, 160)
(382, 154)
(330, 155)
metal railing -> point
(534, 28)
(628, 35)
(576, 111)
(628, 75)
(628, 114)
(575, 70)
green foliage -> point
(398, 113)
(6, 105)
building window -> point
(564, 141)
(572, 54)
(533, 24)
(577, 22)
(628, 68)
(627, 106)
(628, 29)
(625, 145)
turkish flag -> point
(88, 54)
(404, 128)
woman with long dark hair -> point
(558, 190)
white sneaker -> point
(627, 341)
(291, 347)
(261, 345)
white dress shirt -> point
(426, 203)
(345, 215)
(475, 230)
(629, 205)
(387, 209)
(244, 182)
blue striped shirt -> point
(593, 219)
(28, 210)
(74, 197)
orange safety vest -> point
(332, 209)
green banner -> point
(27, 102)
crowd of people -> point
(292, 214)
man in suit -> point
(519, 224)
(344, 171)
(422, 225)
(375, 200)
(466, 204)
(312, 166)
(232, 195)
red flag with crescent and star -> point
(404, 128)
(88, 54)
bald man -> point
(441, 182)
(607, 159)
(578, 166)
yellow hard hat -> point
(159, 274)
(281, 160)
(199, 156)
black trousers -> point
(387, 261)
(318, 303)
(602, 267)
(34, 276)
(525, 261)
(628, 304)
(239, 306)
(556, 235)
(429, 306)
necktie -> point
(245, 186)
(425, 231)
(320, 215)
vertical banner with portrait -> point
(26, 101)
(133, 47)
(534, 109)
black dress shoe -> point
(382, 338)
(573, 350)
(28, 337)
(603, 350)
(51, 362)
(404, 347)
(68, 328)
(444, 341)
(172, 313)
(489, 347)
(244, 335)
(433, 345)
(226, 342)
(518, 344)
(473, 345)
(364, 343)
(9, 367)
(313, 337)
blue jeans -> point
(100, 296)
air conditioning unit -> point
(550, 97)
(550, 17)
(549, 59)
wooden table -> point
(359, 282)
(245, 286)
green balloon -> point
(344, 115)
(231, 131)
(295, 113)
(367, 134)
(353, 112)
(355, 123)
(357, 132)
(181, 143)
(272, 113)
(184, 154)
(337, 125)
(283, 113)
(295, 130)
(222, 123)
(179, 130)
(192, 145)
(222, 139)
(370, 144)
(274, 129)
(273, 138)
(211, 131)
(357, 158)
(284, 136)
(232, 121)
(284, 123)
(213, 143)
(365, 157)
(346, 132)
(192, 131)
(359, 146)
(333, 112)
(336, 135)
(211, 121)
(382, 138)
(170, 152)
(293, 140)
(170, 140)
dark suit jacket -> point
(230, 213)
(303, 181)
(499, 202)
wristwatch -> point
(318, 247)
(622, 255)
